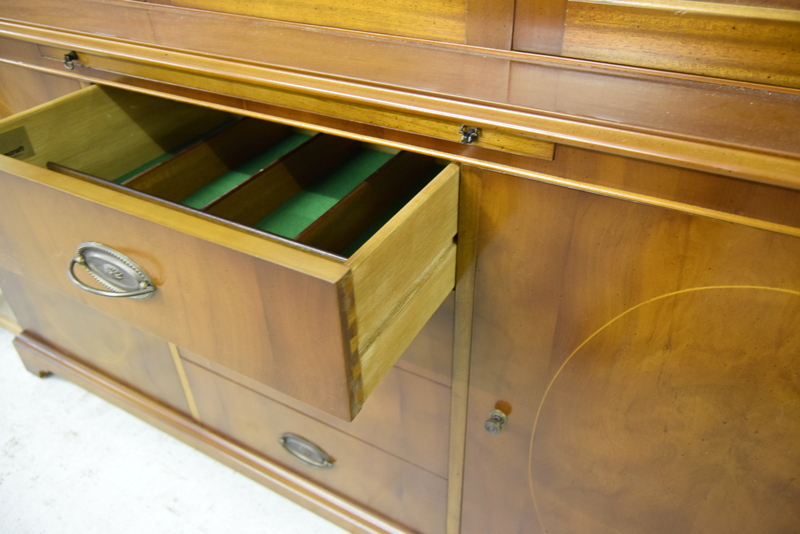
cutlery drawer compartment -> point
(303, 261)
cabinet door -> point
(647, 361)
(751, 40)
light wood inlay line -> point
(187, 390)
(706, 8)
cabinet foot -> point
(34, 363)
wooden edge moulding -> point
(402, 110)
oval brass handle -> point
(118, 273)
(306, 452)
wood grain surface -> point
(430, 354)
(468, 216)
(539, 26)
(403, 273)
(557, 266)
(751, 41)
(363, 473)
(427, 19)
(22, 88)
(407, 414)
(279, 318)
(340, 326)
(133, 357)
(686, 419)
(758, 44)
(339, 227)
(41, 359)
(127, 131)
(268, 189)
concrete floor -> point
(72, 463)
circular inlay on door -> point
(680, 415)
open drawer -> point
(304, 261)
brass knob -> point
(494, 425)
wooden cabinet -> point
(622, 240)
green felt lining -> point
(203, 196)
(294, 216)
(308, 205)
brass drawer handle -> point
(112, 269)
(306, 452)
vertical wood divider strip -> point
(265, 191)
(187, 389)
(469, 197)
(207, 159)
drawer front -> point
(320, 327)
(376, 479)
(115, 348)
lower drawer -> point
(375, 478)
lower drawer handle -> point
(112, 269)
(306, 452)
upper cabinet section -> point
(746, 40)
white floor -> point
(72, 463)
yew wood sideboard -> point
(433, 266)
